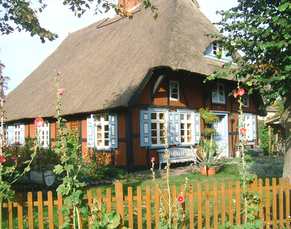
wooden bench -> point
(177, 155)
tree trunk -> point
(286, 123)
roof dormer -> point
(215, 49)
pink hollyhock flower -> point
(181, 199)
(38, 122)
(235, 94)
(15, 159)
(58, 73)
(247, 141)
(243, 131)
(153, 159)
(2, 158)
(241, 92)
(61, 91)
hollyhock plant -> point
(2, 159)
(241, 92)
(38, 122)
(181, 199)
(15, 159)
(61, 91)
(243, 131)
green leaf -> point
(58, 169)
(283, 7)
(250, 216)
(258, 223)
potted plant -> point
(207, 115)
(208, 156)
(41, 171)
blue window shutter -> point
(254, 123)
(10, 137)
(90, 132)
(173, 128)
(145, 128)
(22, 134)
(197, 128)
(113, 133)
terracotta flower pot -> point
(209, 172)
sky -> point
(22, 54)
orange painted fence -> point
(207, 207)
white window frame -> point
(158, 121)
(16, 131)
(44, 135)
(101, 126)
(174, 95)
(188, 133)
(248, 125)
(217, 47)
(246, 100)
(218, 91)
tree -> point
(20, 15)
(261, 29)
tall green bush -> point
(263, 136)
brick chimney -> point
(129, 4)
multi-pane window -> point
(183, 127)
(102, 130)
(186, 128)
(157, 128)
(249, 123)
(17, 133)
(43, 135)
(216, 47)
(218, 93)
(174, 90)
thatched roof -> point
(103, 64)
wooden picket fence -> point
(206, 207)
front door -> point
(221, 133)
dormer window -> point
(214, 49)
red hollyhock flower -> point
(235, 94)
(181, 199)
(15, 159)
(243, 131)
(2, 158)
(247, 141)
(241, 92)
(61, 91)
(38, 122)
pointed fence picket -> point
(206, 207)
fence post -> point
(20, 211)
(119, 200)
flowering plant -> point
(207, 115)
(172, 212)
